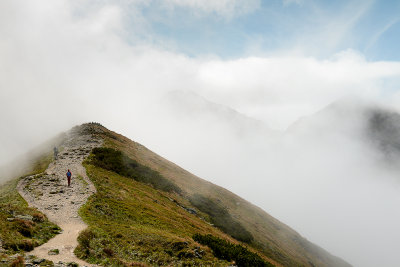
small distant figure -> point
(69, 174)
(55, 153)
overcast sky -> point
(116, 62)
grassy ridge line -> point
(19, 234)
(131, 222)
(132, 149)
(192, 185)
(116, 161)
(276, 240)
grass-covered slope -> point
(221, 218)
(22, 228)
(116, 161)
(130, 220)
(228, 251)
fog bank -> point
(253, 124)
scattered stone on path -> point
(24, 217)
(49, 193)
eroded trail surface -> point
(49, 193)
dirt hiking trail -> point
(49, 193)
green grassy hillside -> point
(150, 212)
(135, 222)
(21, 227)
(132, 220)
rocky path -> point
(49, 193)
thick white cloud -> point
(267, 88)
(64, 63)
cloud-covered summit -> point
(66, 62)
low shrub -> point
(230, 252)
(24, 227)
(116, 161)
(18, 262)
(177, 246)
(21, 234)
(221, 218)
(85, 237)
(27, 245)
(131, 264)
(185, 255)
(38, 217)
(109, 252)
(18, 245)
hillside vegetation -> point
(228, 251)
(21, 227)
(139, 221)
(116, 161)
(132, 222)
(221, 218)
(150, 212)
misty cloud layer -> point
(224, 120)
(326, 176)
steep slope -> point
(149, 211)
(277, 242)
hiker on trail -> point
(69, 174)
(55, 152)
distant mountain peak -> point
(192, 106)
(384, 130)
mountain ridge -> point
(274, 241)
(190, 181)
